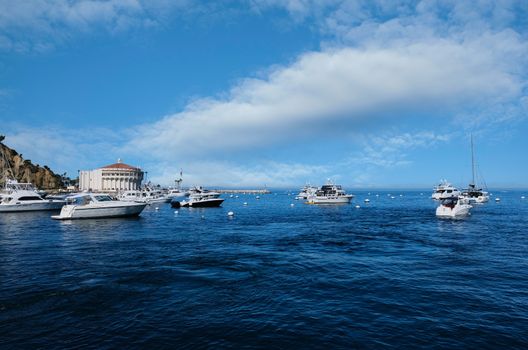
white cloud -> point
(326, 93)
(38, 25)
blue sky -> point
(265, 92)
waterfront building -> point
(114, 177)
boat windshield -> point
(103, 198)
(79, 200)
(449, 202)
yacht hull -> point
(32, 206)
(201, 204)
(69, 212)
(457, 211)
(330, 200)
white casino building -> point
(113, 177)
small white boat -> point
(452, 208)
(147, 195)
(305, 192)
(89, 206)
(176, 193)
(200, 198)
(472, 194)
(329, 194)
(444, 190)
(18, 197)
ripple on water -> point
(274, 276)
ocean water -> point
(386, 275)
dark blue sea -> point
(386, 275)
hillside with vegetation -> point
(14, 166)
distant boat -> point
(444, 190)
(200, 198)
(177, 192)
(305, 191)
(147, 195)
(89, 206)
(329, 194)
(473, 194)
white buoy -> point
(175, 212)
(230, 214)
(231, 196)
(497, 199)
(357, 207)
(522, 197)
(203, 217)
(377, 195)
(157, 208)
(367, 200)
(236, 196)
(401, 195)
(245, 203)
(257, 197)
(392, 197)
(292, 205)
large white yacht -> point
(90, 205)
(444, 190)
(329, 194)
(473, 194)
(200, 198)
(452, 208)
(18, 197)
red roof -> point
(119, 166)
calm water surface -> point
(386, 275)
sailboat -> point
(473, 194)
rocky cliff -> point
(13, 165)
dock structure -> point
(264, 191)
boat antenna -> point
(472, 162)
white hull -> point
(91, 211)
(475, 200)
(215, 202)
(37, 205)
(154, 200)
(459, 210)
(330, 200)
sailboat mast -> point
(472, 162)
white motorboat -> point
(444, 190)
(17, 197)
(473, 194)
(176, 193)
(90, 205)
(452, 208)
(200, 198)
(329, 194)
(305, 192)
(147, 195)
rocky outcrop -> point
(13, 165)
